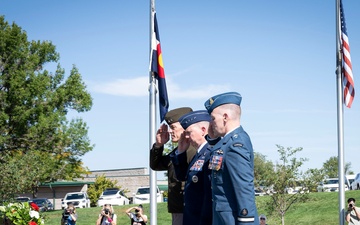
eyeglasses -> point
(262, 219)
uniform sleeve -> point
(180, 165)
(158, 161)
(239, 163)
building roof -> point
(163, 187)
(66, 183)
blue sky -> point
(280, 55)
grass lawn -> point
(89, 216)
(322, 208)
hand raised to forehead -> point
(211, 131)
(184, 143)
(162, 135)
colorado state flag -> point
(157, 67)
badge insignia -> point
(220, 152)
(211, 101)
(195, 179)
(237, 145)
(244, 212)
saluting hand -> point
(211, 131)
(184, 143)
(162, 135)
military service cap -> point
(173, 115)
(221, 99)
(194, 117)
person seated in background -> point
(137, 217)
(69, 215)
(107, 216)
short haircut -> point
(351, 199)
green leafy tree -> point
(287, 175)
(37, 141)
(264, 169)
(331, 167)
(312, 178)
(101, 183)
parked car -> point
(355, 185)
(78, 199)
(22, 199)
(43, 203)
(259, 192)
(297, 189)
(350, 179)
(142, 195)
(331, 184)
(112, 196)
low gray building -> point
(56, 191)
(129, 179)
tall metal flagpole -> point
(340, 112)
(152, 125)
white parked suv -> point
(142, 195)
(78, 199)
(331, 184)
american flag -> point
(157, 67)
(346, 70)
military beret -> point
(194, 117)
(221, 99)
(173, 115)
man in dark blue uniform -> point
(232, 163)
(197, 192)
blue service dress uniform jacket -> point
(232, 165)
(197, 191)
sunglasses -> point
(262, 219)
